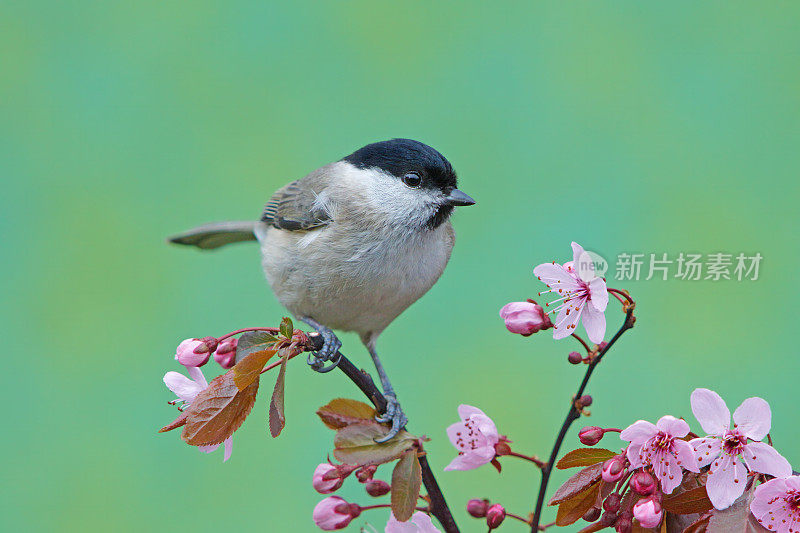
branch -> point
(572, 415)
(363, 381)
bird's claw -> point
(394, 414)
(328, 353)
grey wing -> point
(294, 207)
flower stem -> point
(532, 458)
(573, 414)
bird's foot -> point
(329, 351)
(394, 414)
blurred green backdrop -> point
(627, 126)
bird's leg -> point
(329, 350)
(393, 413)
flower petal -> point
(667, 470)
(685, 455)
(568, 317)
(595, 323)
(209, 448)
(465, 411)
(599, 294)
(674, 427)
(753, 418)
(638, 432)
(706, 450)
(726, 481)
(764, 459)
(710, 410)
(634, 455)
(467, 461)
(183, 387)
(555, 276)
(458, 435)
(486, 426)
(763, 502)
(582, 263)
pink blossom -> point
(613, 469)
(495, 516)
(724, 446)
(186, 390)
(583, 294)
(475, 437)
(661, 447)
(776, 504)
(418, 523)
(334, 513)
(326, 486)
(648, 512)
(187, 355)
(524, 318)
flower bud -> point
(575, 358)
(643, 483)
(590, 435)
(525, 318)
(334, 513)
(624, 523)
(592, 514)
(225, 354)
(209, 345)
(585, 400)
(611, 503)
(608, 519)
(326, 479)
(495, 515)
(377, 487)
(613, 469)
(365, 473)
(477, 508)
(187, 353)
(648, 512)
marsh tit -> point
(354, 243)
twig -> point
(572, 415)
(363, 381)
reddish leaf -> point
(218, 411)
(737, 517)
(178, 422)
(406, 482)
(277, 418)
(687, 502)
(592, 528)
(248, 369)
(341, 412)
(584, 457)
(698, 526)
(573, 508)
(577, 483)
(355, 444)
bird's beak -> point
(457, 197)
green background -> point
(626, 126)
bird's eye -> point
(412, 180)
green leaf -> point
(287, 328)
(577, 484)
(355, 444)
(277, 417)
(406, 482)
(584, 457)
(248, 369)
(687, 502)
(342, 412)
(572, 509)
(218, 411)
(253, 341)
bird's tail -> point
(214, 235)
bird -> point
(353, 244)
